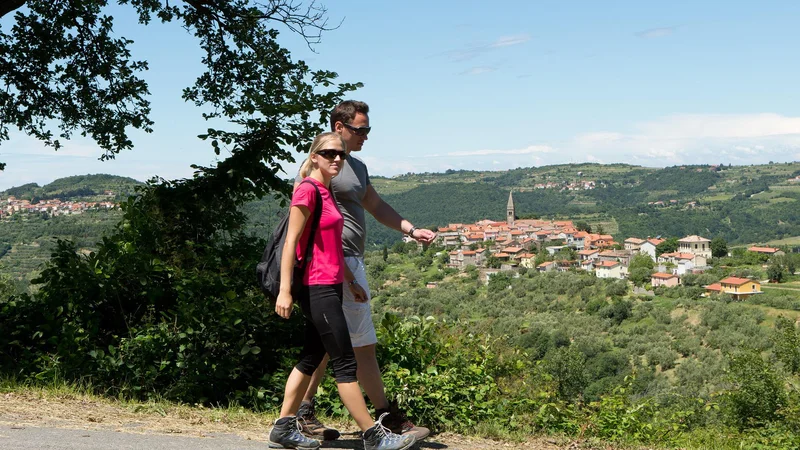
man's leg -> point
(369, 376)
(310, 424)
(365, 339)
(316, 379)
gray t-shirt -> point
(349, 189)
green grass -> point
(795, 240)
(716, 198)
(386, 186)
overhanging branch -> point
(6, 6)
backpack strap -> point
(314, 225)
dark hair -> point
(346, 111)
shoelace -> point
(298, 427)
(379, 428)
(311, 419)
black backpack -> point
(269, 269)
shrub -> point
(757, 392)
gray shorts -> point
(358, 315)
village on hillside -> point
(53, 207)
(533, 244)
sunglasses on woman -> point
(332, 154)
(358, 131)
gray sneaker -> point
(286, 434)
(381, 438)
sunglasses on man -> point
(332, 154)
(358, 131)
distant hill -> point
(742, 204)
(739, 203)
(74, 187)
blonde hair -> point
(319, 144)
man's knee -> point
(365, 353)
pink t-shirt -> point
(327, 260)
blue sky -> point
(465, 85)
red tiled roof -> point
(694, 238)
(736, 281)
(769, 250)
(663, 276)
(512, 250)
(608, 264)
(714, 287)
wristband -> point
(412, 230)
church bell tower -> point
(510, 210)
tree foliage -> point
(668, 246)
(719, 248)
(167, 302)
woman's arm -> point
(298, 216)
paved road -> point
(45, 438)
(13, 437)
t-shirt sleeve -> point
(366, 174)
(305, 195)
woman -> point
(320, 298)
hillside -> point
(742, 204)
(76, 187)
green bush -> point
(757, 393)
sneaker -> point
(286, 434)
(381, 438)
(311, 426)
(398, 423)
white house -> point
(608, 269)
(696, 245)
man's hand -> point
(359, 294)
(283, 306)
(423, 235)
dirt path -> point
(28, 416)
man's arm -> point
(386, 215)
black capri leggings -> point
(326, 332)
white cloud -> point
(478, 70)
(519, 151)
(671, 140)
(656, 32)
(686, 126)
(697, 138)
(474, 50)
(507, 41)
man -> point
(354, 194)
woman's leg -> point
(310, 358)
(353, 400)
(296, 387)
(326, 312)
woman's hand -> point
(283, 306)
